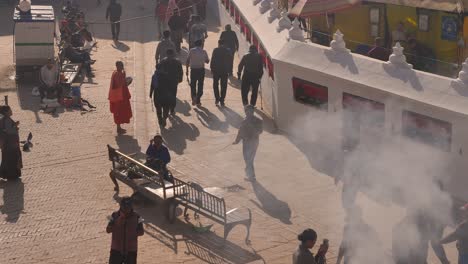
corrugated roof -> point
(307, 8)
(443, 5)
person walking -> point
(119, 97)
(164, 45)
(159, 91)
(12, 162)
(303, 255)
(201, 9)
(251, 71)
(177, 26)
(126, 226)
(249, 132)
(113, 13)
(175, 74)
(196, 60)
(220, 71)
(461, 236)
(231, 42)
(198, 32)
(161, 16)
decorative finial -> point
(264, 6)
(462, 80)
(274, 13)
(398, 58)
(338, 44)
(255, 2)
(284, 22)
(295, 32)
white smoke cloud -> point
(387, 167)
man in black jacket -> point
(252, 66)
(231, 42)
(175, 74)
(161, 95)
(220, 69)
(113, 13)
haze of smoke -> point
(389, 169)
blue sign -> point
(449, 28)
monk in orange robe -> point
(119, 98)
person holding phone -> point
(126, 226)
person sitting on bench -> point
(79, 57)
(49, 81)
(157, 157)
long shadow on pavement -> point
(210, 120)
(13, 200)
(129, 145)
(271, 205)
(178, 133)
(207, 247)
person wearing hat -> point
(251, 66)
(303, 255)
(126, 226)
(461, 236)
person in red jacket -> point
(126, 226)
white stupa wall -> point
(267, 35)
(399, 88)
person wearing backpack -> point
(12, 163)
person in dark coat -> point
(126, 226)
(113, 13)
(159, 91)
(12, 162)
(201, 9)
(220, 70)
(231, 42)
(175, 74)
(251, 66)
(177, 26)
(303, 255)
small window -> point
(309, 93)
(372, 113)
(427, 130)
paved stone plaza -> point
(58, 213)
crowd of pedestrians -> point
(360, 243)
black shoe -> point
(222, 104)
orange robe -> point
(119, 98)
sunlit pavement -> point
(57, 214)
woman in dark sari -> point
(12, 163)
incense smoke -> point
(356, 148)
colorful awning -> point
(456, 6)
(307, 8)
